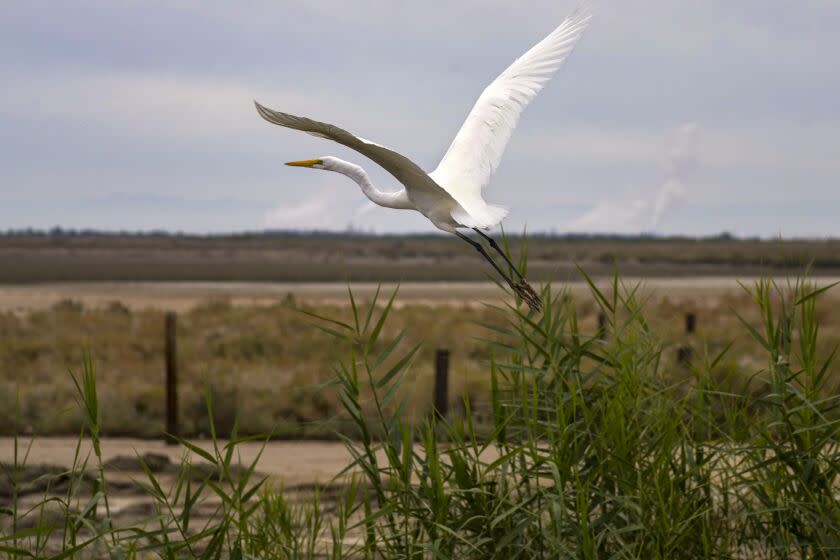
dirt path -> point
(294, 465)
(182, 296)
(291, 463)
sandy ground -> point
(293, 465)
(181, 296)
(289, 462)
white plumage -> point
(478, 147)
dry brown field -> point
(242, 336)
(251, 346)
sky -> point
(689, 117)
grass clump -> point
(595, 451)
(591, 448)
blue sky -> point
(673, 117)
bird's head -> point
(330, 163)
(325, 162)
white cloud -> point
(639, 212)
(315, 212)
(363, 210)
(672, 191)
(613, 216)
(680, 162)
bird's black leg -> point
(499, 250)
(522, 289)
(480, 248)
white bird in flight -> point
(450, 196)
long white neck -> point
(398, 199)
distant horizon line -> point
(59, 231)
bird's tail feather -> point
(483, 218)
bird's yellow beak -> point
(305, 163)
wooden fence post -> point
(171, 379)
(690, 323)
(441, 383)
(602, 326)
(686, 353)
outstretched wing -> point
(478, 147)
(406, 171)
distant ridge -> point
(58, 232)
(65, 255)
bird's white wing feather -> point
(478, 147)
(403, 169)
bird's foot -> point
(528, 295)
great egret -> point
(450, 196)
